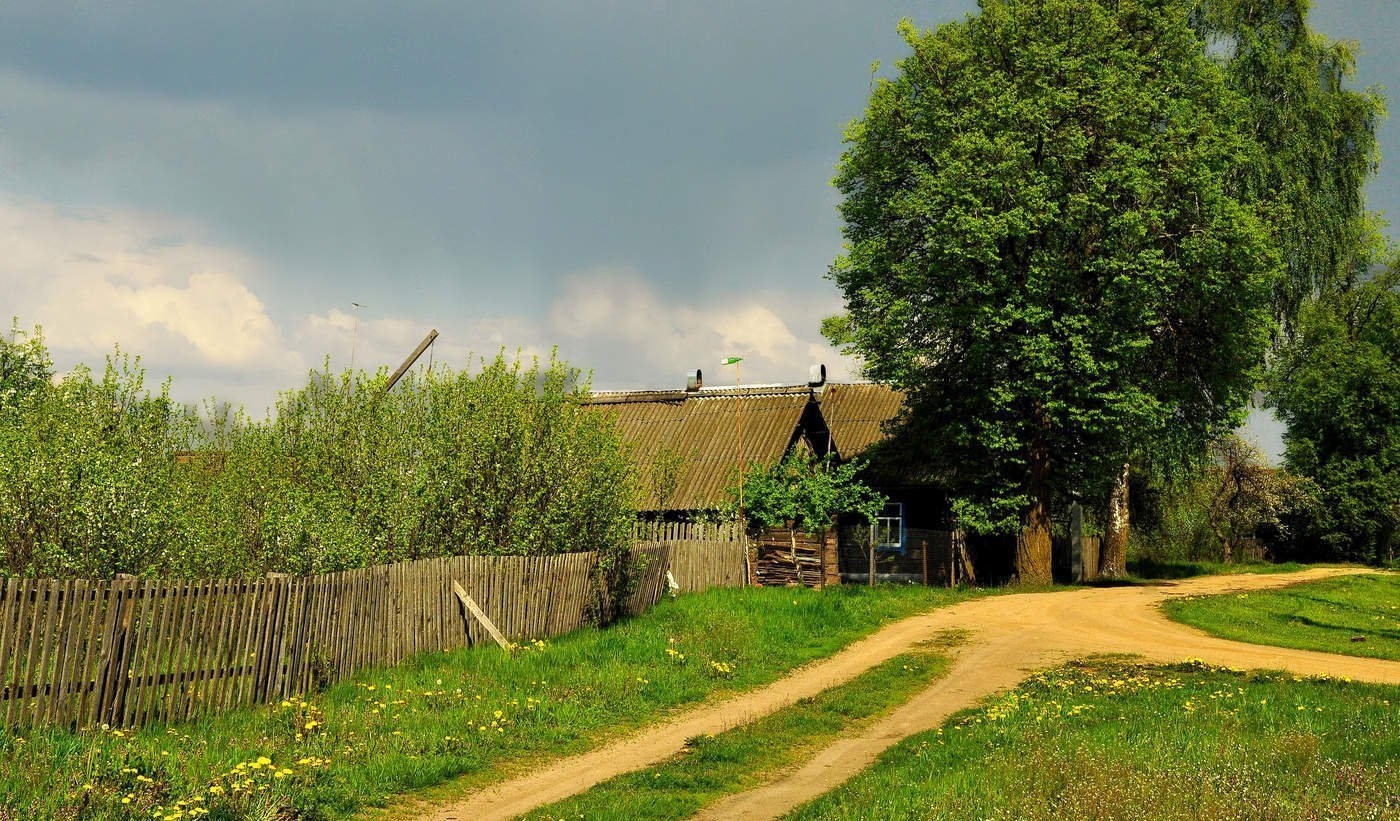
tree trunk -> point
(1113, 550)
(1033, 544)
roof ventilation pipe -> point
(693, 382)
(816, 376)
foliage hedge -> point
(100, 475)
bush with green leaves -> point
(803, 492)
(88, 482)
(102, 476)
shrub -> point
(101, 476)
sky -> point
(645, 185)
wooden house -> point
(688, 442)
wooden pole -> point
(925, 544)
(413, 357)
(872, 554)
(739, 423)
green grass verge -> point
(712, 767)
(1113, 739)
(1356, 615)
(469, 715)
(1155, 570)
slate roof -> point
(855, 412)
(702, 428)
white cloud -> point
(99, 278)
(650, 342)
(193, 310)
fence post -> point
(1076, 543)
(871, 581)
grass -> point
(1156, 569)
(1356, 615)
(1111, 739)
(467, 717)
(712, 767)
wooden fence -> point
(700, 556)
(131, 652)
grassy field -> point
(471, 715)
(1355, 615)
(1150, 569)
(740, 759)
(1110, 739)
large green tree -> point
(1049, 249)
(1318, 149)
(1318, 136)
(1337, 386)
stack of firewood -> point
(781, 557)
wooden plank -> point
(31, 616)
(541, 586)
(396, 619)
(200, 695)
(316, 622)
(157, 651)
(339, 627)
(177, 602)
(430, 606)
(470, 603)
(225, 647)
(140, 645)
(44, 600)
(269, 657)
(180, 647)
(8, 609)
(65, 692)
(34, 690)
(68, 646)
(291, 618)
(46, 681)
(513, 597)
(137, 651)
(358, 623)
(297, 637)
(113, 672)
(378, 650)
(199, 691)
(151, 652)
(362, 622)
(89, 699)
(9, 641)
(286, 618)
(14, 663)
(252, 631)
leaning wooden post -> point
(471, 605)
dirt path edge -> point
(1010, 636)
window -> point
(889, 528)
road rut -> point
(1008, 637)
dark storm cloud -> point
(467, 141)
(466, 165)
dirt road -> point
(1010, 636)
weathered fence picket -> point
(130, 652)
